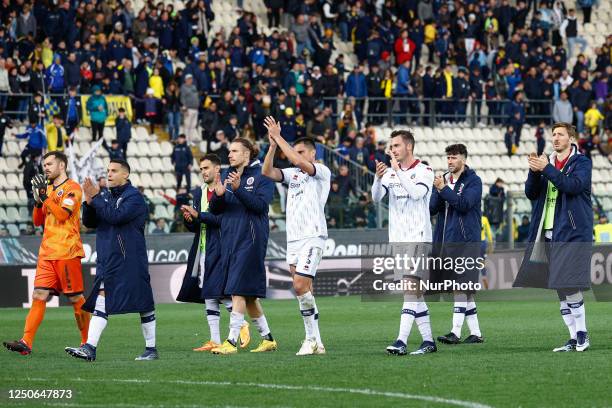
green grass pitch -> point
(513, 368)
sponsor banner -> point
(340, 272)
(114, 102)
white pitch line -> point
(361, 391)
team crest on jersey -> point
(412, 177)
(250, 181)
(295, 176)
(60, 193)
(392, 175)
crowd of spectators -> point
(421, 62)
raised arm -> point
(274, 132)
(268, 168)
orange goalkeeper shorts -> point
(60, 276)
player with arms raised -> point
(58, 205)
(309, 184)
(408, 183)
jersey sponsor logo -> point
(250, 181)
(68, 201)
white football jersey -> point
(306, 202)
(409, 219)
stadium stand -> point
(347, 27)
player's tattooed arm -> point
(274, 132)
(268, 168)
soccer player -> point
(408, 183)
(456, 201)
(206, 283)
(309, 184)
(58, 204)
(122, 283)
(242, 199)
(558, 255)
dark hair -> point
(121, 110)
(253, 150)
(406, 135)
(124, 164)
(571, 130)
(211, 157)
(306, 141)
(58, 156)
(457, 149)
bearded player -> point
(58, 205)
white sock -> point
(262, 326)
(458, 316)
(568, 318)
(406, 320)
(236, 321)
(422, 320)
(472, 318)
(98, 321)
(147, 322)
(213, 315)
(315, 326)
(227, 302)
(576, 305)
(307, 309)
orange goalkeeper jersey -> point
(61, 216)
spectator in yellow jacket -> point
(157, 84)
(592, 117)
(57, 137)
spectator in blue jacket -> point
(72, 71)
(357, 87)
(403, 90)
(36, 141)
(182, 159)
(456, 200)
(124, 130)
(360, 154)
(55, 76)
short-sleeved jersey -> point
(409, 219)
(306, 202)
(62, 239)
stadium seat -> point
(12, 163)
(135, 179)
(169, 180)
(156, 164)
(166, 148)
(23, 214)
(145, 164)
(12, 181)
(146, 181)
(155, 149)
(12, 214)
(12, 197)
(13, 229)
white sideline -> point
(365, 391)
